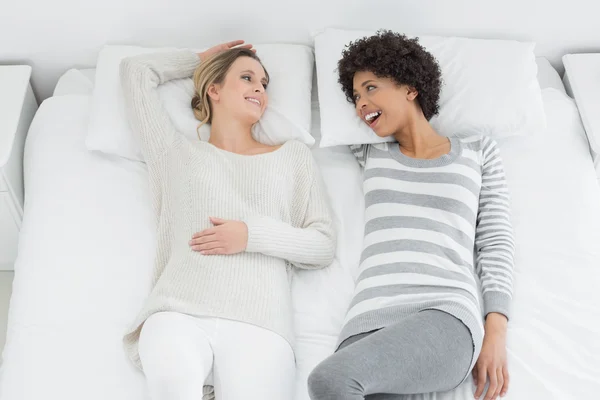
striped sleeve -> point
(360, 151)
(494, 235)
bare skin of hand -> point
(222, 47)
(492, 362)
(225, 237)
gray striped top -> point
(429, 226)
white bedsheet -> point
(86, 249)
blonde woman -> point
(233, 215)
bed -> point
(85, 256)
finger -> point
(209, 231)
(203, 239)
(234, 43)
(506, 381)
(217, 221)
(493, 385)
(500, 377)
(481, 378)
(216, 251)
(475, 374)
(207, 246)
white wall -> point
(55, 35)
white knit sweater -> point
(279, 195)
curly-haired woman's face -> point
(383, 105)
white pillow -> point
(74, 81)
(490, 88)
(288, 115)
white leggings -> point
(179, 352)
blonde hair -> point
(213, 71)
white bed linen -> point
(86, 250)
(547, 76)
(81, 268)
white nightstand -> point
(582, 81)
(17, 108)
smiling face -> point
(383, 105)
(242, 94)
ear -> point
(214, 92)
(411, 93)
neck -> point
(231, 134)
(418, 137)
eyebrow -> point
(366, 82)
(252, 72)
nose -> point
(259, 89)
(360, 104)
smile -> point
(253, 100)
(372, 117)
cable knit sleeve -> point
(140, 76)
(308, 246)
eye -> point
(265, 86)
(370, 87)
(247, 77)
(356, 97)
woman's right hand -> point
(223, 47)
(226, 237)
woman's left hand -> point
(226, 237)
(492, 362)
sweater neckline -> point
(246, 156)
(445, 159)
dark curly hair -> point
(392, 55)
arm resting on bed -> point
(309, 246)
(494, 235)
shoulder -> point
(296, 151)
(365, 148)
(484, 146)
(297, 146)
(300, 159)
(478, 142)
(384, 146)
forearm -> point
(311, 247)
(160, 67)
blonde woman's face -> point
(243, 92)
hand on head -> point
(222, 47)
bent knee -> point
(332, 380)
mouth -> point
(253, 100)
(371, 118)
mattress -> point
(85, 257)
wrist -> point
(246, 234)
(496, 322)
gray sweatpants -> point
(430, 351)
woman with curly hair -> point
(436, 213)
